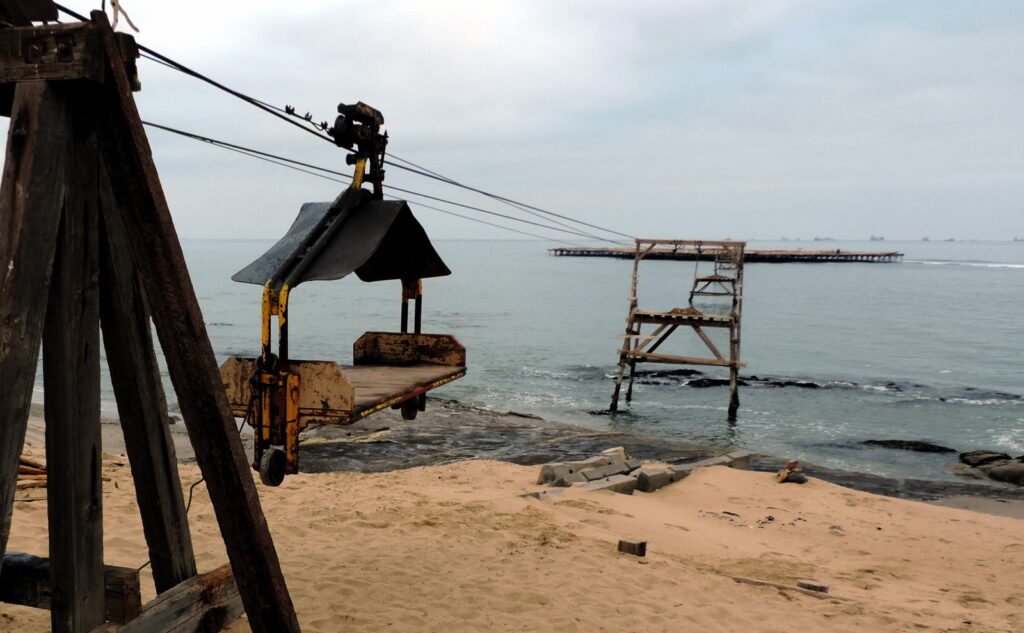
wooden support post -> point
(627, 342)
(629, 388)
(30, 205)
(71, 369)
(203, 603)
(190, 359)
(25, 580)
(141, 404)
(734, 395)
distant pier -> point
(750, 256)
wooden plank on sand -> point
(203, 603)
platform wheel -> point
(409, 409)
(421, 402)
(272, 465)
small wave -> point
(974, 264)
(881, 388)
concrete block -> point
(651, 479)
(634, 463)
(615, 468)
(570, 478)
(680, 472)
(591, 462)
(552, 472)
(623, 484)
(739, 459)
(618, 453)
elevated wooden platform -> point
(725, 280)
(755, 256)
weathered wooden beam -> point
(63, 51)
(25, 580)
(190, 359)
(202, 604)
(71, 372)
(24, 12)
(30, 207)
(647, 357)
(141, 404)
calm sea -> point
(927, 349)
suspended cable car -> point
(378, 240)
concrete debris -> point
(614, 470)
(623, 484)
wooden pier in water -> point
(689, 253)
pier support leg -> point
(734, 395)
(615, 394)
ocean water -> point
(927, 349)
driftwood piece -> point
(32, 462)
(807, 592)
(636, 548)
(25, 580)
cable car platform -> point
(391, 369)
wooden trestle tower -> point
(87, 241)
(725, 281)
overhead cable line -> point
(287, 114)
(313, 170)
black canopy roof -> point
(376, 239)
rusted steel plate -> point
(377, 240)
(323, 389)
(397, 348)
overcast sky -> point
(680, 119)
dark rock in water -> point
(911, 445)
(1010, 471)
(796, 383)
(700, 383)
(980, 458)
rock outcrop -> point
(992, 465)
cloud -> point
(702, 118)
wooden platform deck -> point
(750, 256)
(377, 386)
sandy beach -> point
(457, 548)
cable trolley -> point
(378, 240)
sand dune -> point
(454, 548)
